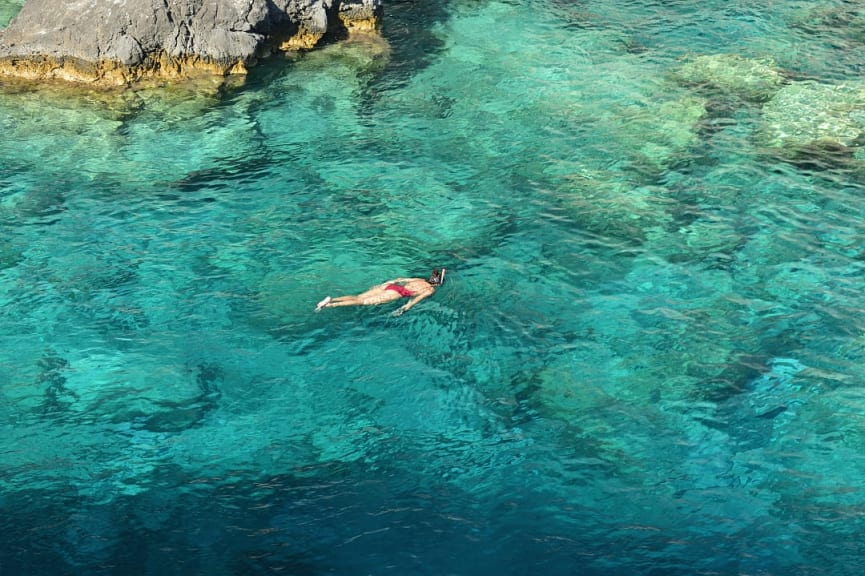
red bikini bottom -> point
(401, 290)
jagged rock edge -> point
(143, 66)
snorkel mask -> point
(437, 278)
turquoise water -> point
(647, 359)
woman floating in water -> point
(415, 288)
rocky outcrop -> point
(808, 113)
(732, 75)
(816, 125)
(118, 42)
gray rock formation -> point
(117, 42)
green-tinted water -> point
(647, 358)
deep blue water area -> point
(647, 358)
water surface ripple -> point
(647, 359)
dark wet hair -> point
(436, 278)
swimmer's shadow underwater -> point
(416, 289)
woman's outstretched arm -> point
(408, 305)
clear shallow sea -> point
(647, 359)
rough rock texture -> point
(807, 112)
(749, 79)
(115, 42)
(816, 126)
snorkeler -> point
(415, 288)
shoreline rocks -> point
(110, 43)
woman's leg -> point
(371, 297)
(344, 301)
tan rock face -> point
(300, 41)
(364, 25)
(111, 43)
(109, 73)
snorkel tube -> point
(437, 278)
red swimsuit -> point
(401, 290)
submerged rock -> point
(10, 254)
(656, 134)
(843, 23)
(750, 79)
(113, 43)
(607, 205)
(806, 119)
